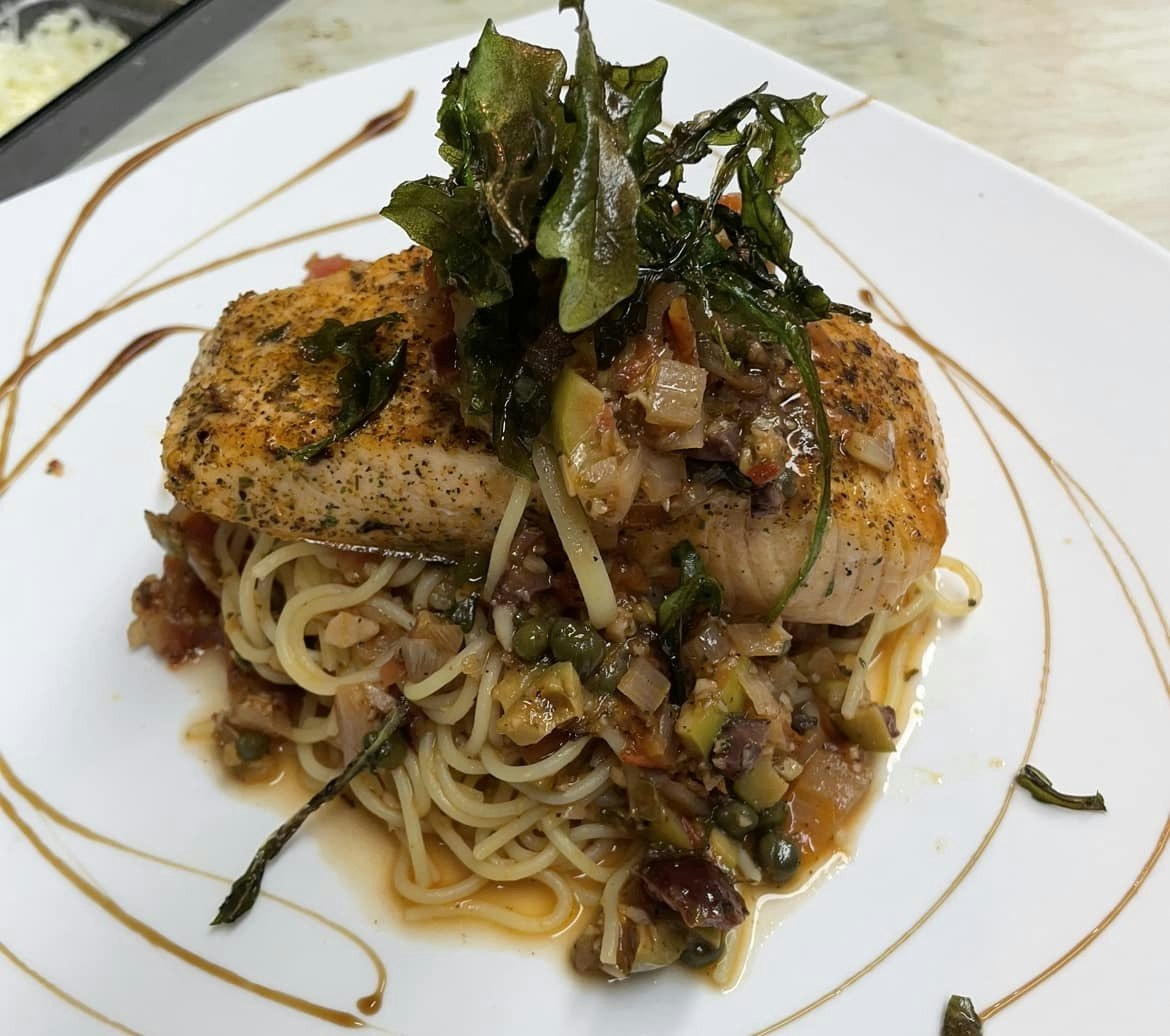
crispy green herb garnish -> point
(563, 208)
(365, 383)
(462, 612)
(246, 888)
(591, 219)
(960, 1018)
(697, 591)
(273, 334)
(1037, 784)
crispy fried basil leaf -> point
(633, 96)
(1037, 784)
(246, 889)
(365, 383)
(583, 172)
(524, 401)
(961, 1018)
(698, 591)
(590, 219)
(508, 111)
(447, 219)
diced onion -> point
(663, 475)
(680, 438)
(576, 538)
(431, 643)
(747, 866)
(868, 449)
(758, 639)
(759, 691)
(644, 684)
(466, 661)
(502, 545)
(674, 397)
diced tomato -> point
(680, 331)
(763, 473)
(638, 759)
(393, 672)
(633, 366)
(323, 265)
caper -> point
(530, 641)
(701, 952)
(613, 667)
(472, 569)
(778, 857)
(776, 816)
(577, 643)
(251, 745)
(736, 818)
(391, 755)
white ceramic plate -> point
(957, 886)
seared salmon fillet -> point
(414, 478)
(886, 528)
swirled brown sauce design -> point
(963, 380)
(871, 296)
(122, 172)
(9, 391)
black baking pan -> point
(169, 39)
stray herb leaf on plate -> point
(961, 1019)
(246, 888)
(1038, 785)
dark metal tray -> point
(169, 40)
(133, 17)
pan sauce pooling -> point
(543, 523)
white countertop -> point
(1077, 91)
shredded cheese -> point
(59, 49)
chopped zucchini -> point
(576, 409)
(831, 691)
(761, 787)
(538, 701)
(725, 849)
(669, 829)
(658, 945)
(663, 823)
(866, 729)
(700, 719)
